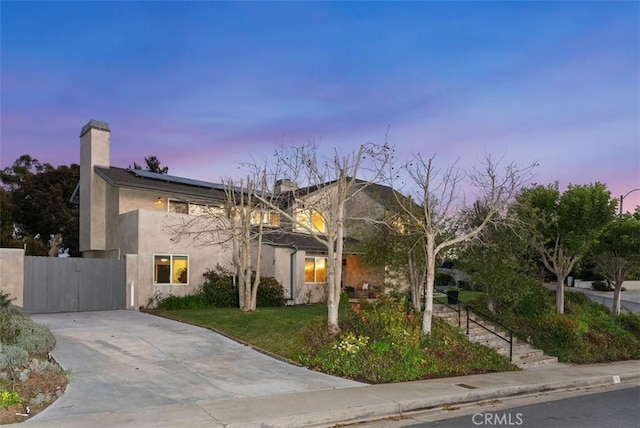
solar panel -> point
(174, 179)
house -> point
(127, 213)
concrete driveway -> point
(124, 360)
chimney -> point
(94, 151)
(285, 185)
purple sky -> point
(205, 85)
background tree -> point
(38, 198)
(331, 182)
(152, 163)
(564, 226)
(502, 263)
(618, 251)
(395, 243)
(22, 169)
(442, 223)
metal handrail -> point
(509, 340)
(486, 317)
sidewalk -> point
(329, 407)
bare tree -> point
(237, 222)
(441, 221)
(330, 183)
(243, 213)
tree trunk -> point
(333, 298)
(616, 298)
(560, 293)
(428, 303)
(431, 274)
(619, 272)
(414, 283)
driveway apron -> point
(124, 360)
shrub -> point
(5, 301)
(9, 399)
(382, 342)
(34, 338)
(40, 366)
(586, 333)
(270, 293)
(13, 357)
(601, 286)
(8, 331)
(219, 289)
(192, 301)
(630, 322)
(534, 303)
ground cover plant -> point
(219, 290)
(586, 333)
(29, 379)
(379, 342)
(382, 342)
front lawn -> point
(272, 329)
(380, 341)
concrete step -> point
(521, 354)
(524, 355)
(535, 361)
(482, 332)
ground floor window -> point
(315, 269)
(170, 269)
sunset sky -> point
(207, 85)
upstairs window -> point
(267, 218)
(170, 269)
(182, 207)
(312, 219)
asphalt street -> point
(619, 408)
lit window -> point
(267, 218)
(181, 207)
(315, 269)
(311, 219)
(178, 207)
(170, 269)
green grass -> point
(271, 329)
(397, 350)
(464, 296)
(469, 296)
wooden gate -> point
(53, 284)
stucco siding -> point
(154, 238)
(133, 199)
(12, 274)
(361, 206)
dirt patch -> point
(41, 387)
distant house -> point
(124, 213)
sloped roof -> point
(301, 241)
(385, 195)
(163, 183)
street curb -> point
(364, 413)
